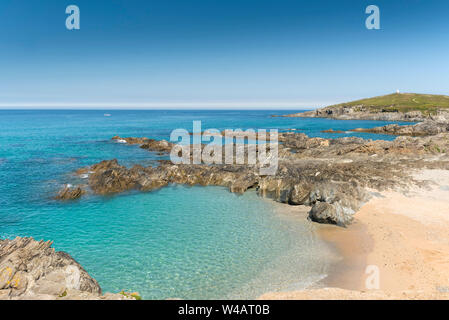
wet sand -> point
(404, 235)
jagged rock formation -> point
(70, 193)
(32, 269)
(146, 143)
(426, 128)
(332, 176)
(360, 112)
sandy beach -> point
(402, 235)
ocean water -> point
(177, 242)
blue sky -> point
(206, 53)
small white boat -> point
(107, 114)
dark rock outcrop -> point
(130, 140)
(323, 212)
(426, 128)
(332, 131)
(146, 143)
(331, 176)
(70, 193)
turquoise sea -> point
(178, 242)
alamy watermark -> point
(73, 21)
(226, 147)
(372, 281)
(372, 22)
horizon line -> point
(163, 105)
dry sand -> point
(404, 235)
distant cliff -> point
(393, 107)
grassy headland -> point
(401, 102)
(410, 107)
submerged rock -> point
(130, 140)
(332, 131)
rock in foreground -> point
(33, 270)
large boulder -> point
(29, 267)
(323, 212)
(33, 270)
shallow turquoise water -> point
(198, 242)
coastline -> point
(404, 234)
(404, 107)
(349, 172)
(329, 178)
(352, 245)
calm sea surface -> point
(179, 242)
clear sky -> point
(209, 53)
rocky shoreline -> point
(335, 177)
(425, 128)
(403, 234)
(431, 119)
(362, 113)
(354, 111)
(33, 270)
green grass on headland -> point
(402, 102)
